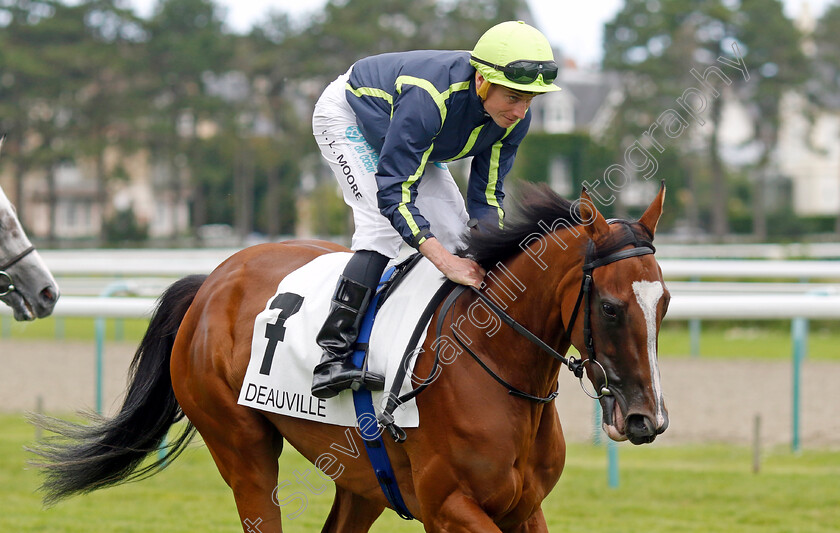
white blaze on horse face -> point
(11, 241)
(648, 294)
(5, 204)
(7, 214)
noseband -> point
(6, 283)
(592, 261)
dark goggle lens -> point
(6, 285)
(526, 72)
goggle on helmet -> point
(516, 55)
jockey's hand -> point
(458, 269)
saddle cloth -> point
(284, 353)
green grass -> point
(749, 341)
(72, 328)
(755, 340)
(662, 489)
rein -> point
(449, 293)
(519, 328)
(576, 366)
(6, 283)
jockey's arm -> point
(458, 269)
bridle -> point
(449, 292)
(6, 283)
(592, 261)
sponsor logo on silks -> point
(353, 134)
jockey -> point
(387, 127)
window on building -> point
(560, 177)
(558, 113)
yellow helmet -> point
(517, 56)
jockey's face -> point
(505, 106)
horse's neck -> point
(532, 296)
(543, 282)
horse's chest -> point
(515, 501)
(512, 494)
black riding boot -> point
(336, 372)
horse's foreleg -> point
(459, 514)
(535, 524)
(351, 513)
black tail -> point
(109, 451)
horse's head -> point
(626, 303)
(26, 284)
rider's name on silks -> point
(284, 352)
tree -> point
(44, 73)
(65, 95)
(274, 131)
(225, 117)
(823, 88)
(107, 108)
(186, 44)
(776, 64)
(669, 48)
(347, 31)
(293, 66)
(654, 45)
(28, 88)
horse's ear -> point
(651, 215)
(593, 221)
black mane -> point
(533, 204)
(538, 209)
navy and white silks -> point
(383, 124)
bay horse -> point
(26, 284)
(482, 460)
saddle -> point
(284, 351)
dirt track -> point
(708, 400)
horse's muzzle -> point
(640, 429)
(46, 301)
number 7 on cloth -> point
(289, 303)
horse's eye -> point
(609, 310)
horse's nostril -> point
(49, 295)
(639, 426)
